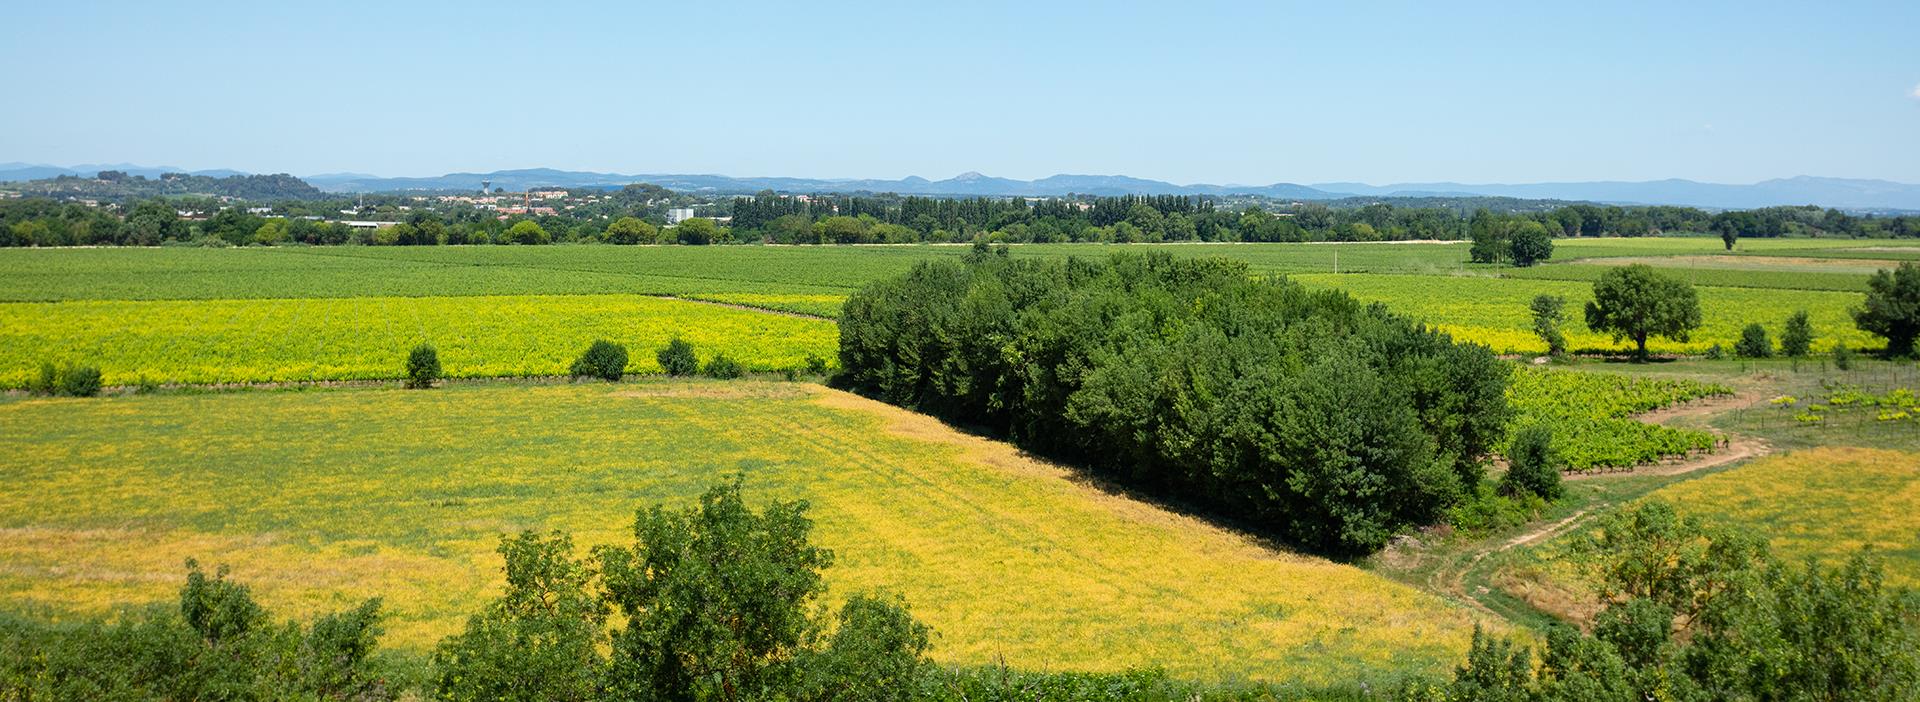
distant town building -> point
(679, 214)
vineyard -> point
(1591, 414)
(233, 341)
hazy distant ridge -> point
(1849, 193)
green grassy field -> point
(318, 498)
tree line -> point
(886, 219)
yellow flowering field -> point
(1825, 502)
(224, 341)
(322, 497)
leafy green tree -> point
(717, 602)
(1488, 233)
(1892, 309)
(272, 232)
(541, 640)
(1797, 340)
(1528, 243)
(423, 366)
(698, 231)
(677, 358)
(1533, 464)
(1636, 302)
(603, 359)
(1753, 342)
(630, 230)
(1548, 313)
(154, 221)
(527, 231)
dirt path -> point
(749, 308)
(1450, 578)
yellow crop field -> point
(1825, 502)
(223, 341)
(322, 497)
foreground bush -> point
(423, 366)
(604, 360)
(217, 644)
(677, 358)
(715, 602)
(1321, 419)
(1696, 612)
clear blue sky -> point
(1183, 91)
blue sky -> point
(1187, 91)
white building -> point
(677, 215)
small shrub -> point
(1715, 352)
(676, 358)
(816, 365)
(71, 381)
(1798, 337)
(604, 360)
(423, 366)
(724, 368)
(145, 386)
(1842, 357)
(80, 381)
(1753, 343)
(1533, 464)
(46, 382)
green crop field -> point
(1591, 412)
(318, 498)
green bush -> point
(724, 368)
(1533, 464)
(80, 381)
(1716, 352)
(1797, 340)
(1753, 343)
(816, 365)
(66, 380)
(604, 360)
(677, 358)
(46, 381)
(1842, 357)
(423, 366)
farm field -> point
(1494, 311)
(318, 498)
(1591, 415)
(1825, 503)
(276, 340)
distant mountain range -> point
(1845, 193)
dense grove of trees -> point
(1307, 414)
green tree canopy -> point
(1892, 309)
(1636, 302)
